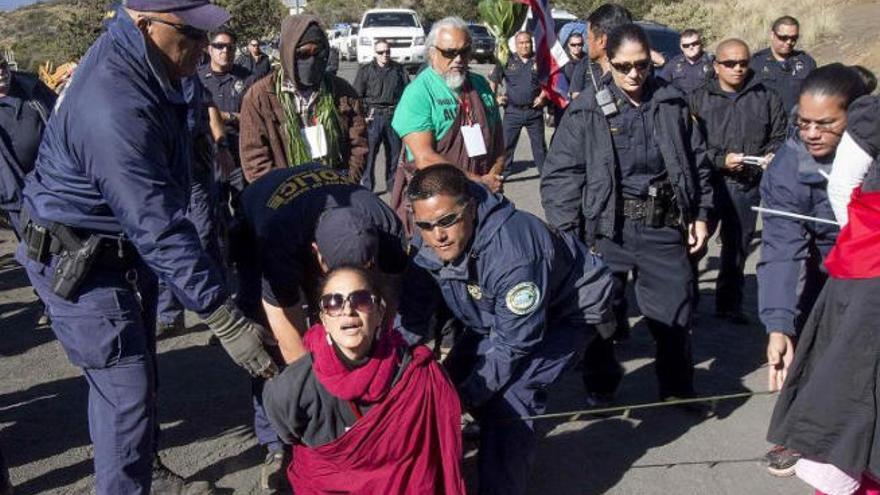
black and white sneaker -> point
(780, 461)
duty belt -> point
(42, 242)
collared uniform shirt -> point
(521, 80)
(785, 77)
(686, 75)
(635, 143)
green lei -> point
(297, 150)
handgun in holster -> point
(73, 266)
(659, 205)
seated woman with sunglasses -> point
(627, 171)
(366, 413)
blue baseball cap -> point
(200, 14)
(346, 237)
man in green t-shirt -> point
(448, 114)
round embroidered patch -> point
(523, 298)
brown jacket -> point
(262, 138)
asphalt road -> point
(206, 415)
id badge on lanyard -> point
(471, 132)
(316, 139)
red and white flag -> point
(549, 54)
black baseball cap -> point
(346, 237)
(200, 14)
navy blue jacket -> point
(792, 183)
(23, 116)
(580, 183)
(115, 159)
(753, 122)
(519, 282)
(783, 77)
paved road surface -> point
(206, 416)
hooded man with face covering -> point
(299, 113)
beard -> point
(454, 79)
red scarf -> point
(409, 442)
(856, 254)
(365, 384)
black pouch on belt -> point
(660, 201)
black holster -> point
(661, 208)
(73, 267)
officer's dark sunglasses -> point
(730, 64)
(360, 300)
(626, 67)
(576, 45)
(692, 43)
(451, 53)
(383, 52)
(188, 31)
(223, 46)
(443, 222)
(785, 38)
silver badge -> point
(798, 66)
(475, 291)
(523, 298)
(238, 87)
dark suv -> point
(483, 44)
(663, 39)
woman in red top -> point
(366, 413)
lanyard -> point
(464, 105)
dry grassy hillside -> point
(30, 31)
(857, 41)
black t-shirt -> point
(281, 211)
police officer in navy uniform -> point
(529, 297)
(104, 217)
(225, 85)
(255, 61)
(380, 85)
(300, 223)
(691, 68)
(627, 171)
(781, 67)
(524, 100)
(25, 105)
(740, 118)
(600, 22)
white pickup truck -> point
(400, 28)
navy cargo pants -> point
(380, 133)
(658, 260)
(734, 209)
(507, 444)
(108, 330)
(515, 119)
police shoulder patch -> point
(523, 298)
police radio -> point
(606, 102)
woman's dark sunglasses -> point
(443, 222)
(451, 53)
(730, 64)
(626, 67)
(188, 31)
(360, 300)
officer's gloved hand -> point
(243, 339)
